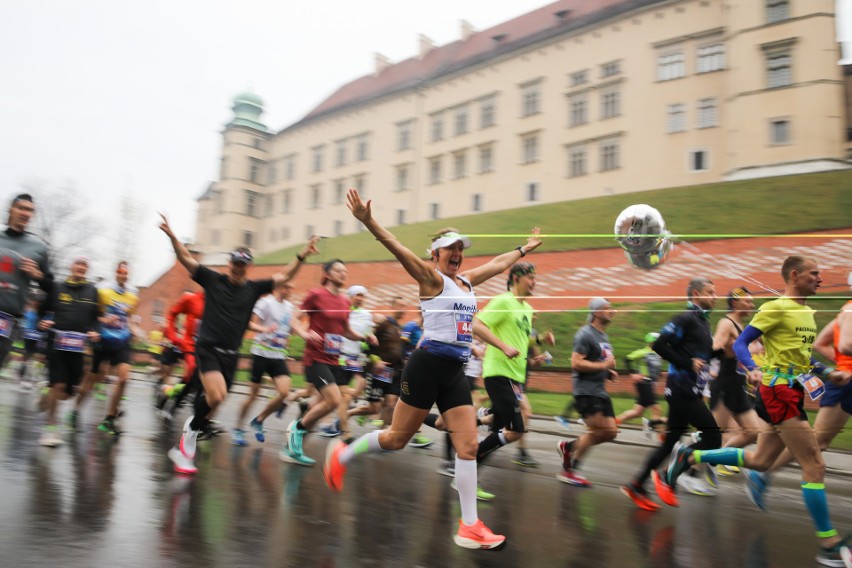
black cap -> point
(242, 255)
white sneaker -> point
(695, 486)
(188, 439)
(646, 428)
(182, 464)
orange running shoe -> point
(477, 536)
(664, 491)
(639, 497)
(332, 470)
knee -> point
(512, 436)
(390, 440)
(466, 449)
(608, 434)
(814, 469)
(215, 398)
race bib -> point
(7, 323)
(385, 375)
(72, 341)
(353, 364)
(518, 390)
(464, 327)
(812, 385)
(333, 343)
(276, 341)
(32, 335)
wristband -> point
(826, 372)
(522, 251)
(300, 258)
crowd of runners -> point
(742, 385)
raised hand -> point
(360, 210)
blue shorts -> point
(835, 395)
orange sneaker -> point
(477, 536)
(639, 497)
(664, 491)
(332, 470)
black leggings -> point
(684, 412)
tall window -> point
(461, 120)
(476, 202)
(777, 10)
(610, 103)
(400, 216)
(317, 158)
(708, 113)
(339, 191)
(529, 148)
(579, 78)
(578, 110)
(248, 239)
(434, 211)
(698, 161)
(252, 203)
(676, 118)
(287, 201)
(779, 131)
(531, 99)
(610, 69)
(340, 153)
(459, 164)
(577, 161)
(437, 127)
(254, 170)
(290, 167)
(486, 159)
(338, 228)
(711, 58)
(270, 173)
(779, 72)
(487, 110)
(435, 170)
(532, 191)
(361, 147)
(402, 175)
(359, 182)
(403, 135)
(316, 196)
(609, 155)
(670, 66)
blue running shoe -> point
(678, 463)
(756, 485)
(257, 426)
(238, 437)
(564, 422)
(294, 440)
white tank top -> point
(448, 317)
(361, 321)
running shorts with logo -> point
(116, 355)
(505, 395)
(835, 395)
(430, 379)
(322, 375)
(378, 388)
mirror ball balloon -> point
(641, 231)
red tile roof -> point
(481, 46)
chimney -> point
(467, 30)
(426, 45)
(382, 63)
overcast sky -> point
(116, 96)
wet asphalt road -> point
(98, 501)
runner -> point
(435, 374)
(34, 343)
(687, 344)
(70, 313)
(788, 330)
(229, 300)
(273, 318)
(117, 302)
(191, 307)
(23, 259)
(593, 363)
(328, 313)
(730, 400)
(645, 367)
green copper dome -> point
(248, 107)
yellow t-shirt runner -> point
(789, 331)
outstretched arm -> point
(500, 263)
(430, 283)
(181, 252)
(293, 268)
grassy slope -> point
(773, 205)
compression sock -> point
(366, 444)
(722, 456)
(494, 441)
(466, 485)
(817, 504)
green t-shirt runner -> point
(510, 319)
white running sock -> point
(466, 485)
(366, 444)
